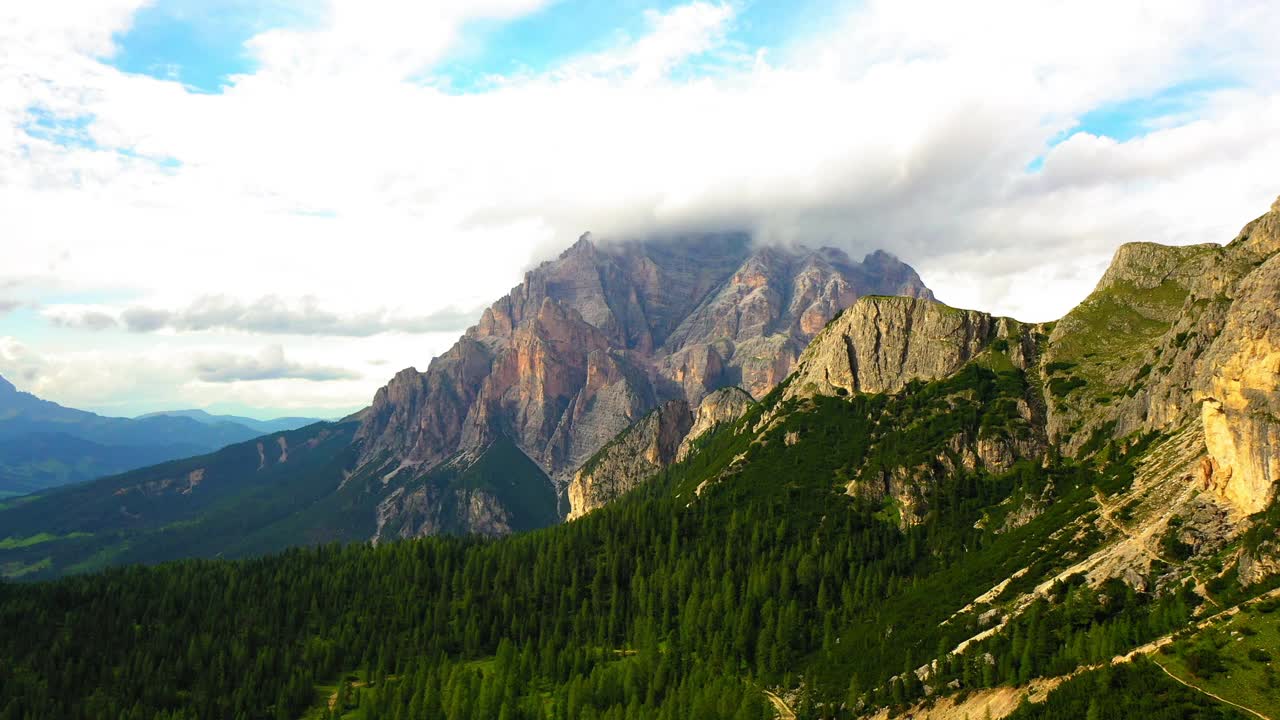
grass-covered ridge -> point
(247, 502)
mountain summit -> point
(595, 339)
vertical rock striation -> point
(630, 458)
(718, 408)
(594, 340)
(880, 344)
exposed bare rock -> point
(880, 344)
(1239, 385)
(1208, 526)
(907, 486)
(558, 390)
(430, 510)
(722, 406)
(630, 458)
(1260, 563)
(1176, 333)
(593, 340)
(1030, 508)
(1126, 354)
(418, 417)
(760, 321)
(182, 485)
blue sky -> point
(203, 45)
(200, 43)
(1133, 118)
(330, 190)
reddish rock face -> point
(592, 341)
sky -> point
(270, 206)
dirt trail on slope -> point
(1215, 697)
(1145, 540)
(784, 711)
(1001, 701)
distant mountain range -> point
(262, 427)
(44, 445)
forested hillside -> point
(670, 603)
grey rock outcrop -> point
(429, 510)
(663, 437)
(1260, 563)
(630, 458)
(725, 405)
(880, 344)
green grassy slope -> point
(232, 503)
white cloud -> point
(266, 315)
(269, 364)
(373, 39)
(167, 373)
(673, 38)
(332, 173)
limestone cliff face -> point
(592, 341)
(722, 406)
(1144, 306)
(755, 327)
(1238, 376)
(1238, 386)
(664, 436)
(429, 510)
(630, 458)
(1179, 334)
(880, 344)
(558, 389)
(417, 418)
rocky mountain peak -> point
(1261, 238)
(6, 387)
(604, 333)
(1146, 265)
(583, 246)
(1177, 337)
(881, 343)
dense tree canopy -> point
(665, 604)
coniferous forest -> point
(666, 604)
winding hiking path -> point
(786, 713)
(1000, 701)
(1145, 540)
(1219, 698)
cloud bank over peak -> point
(347, 184)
